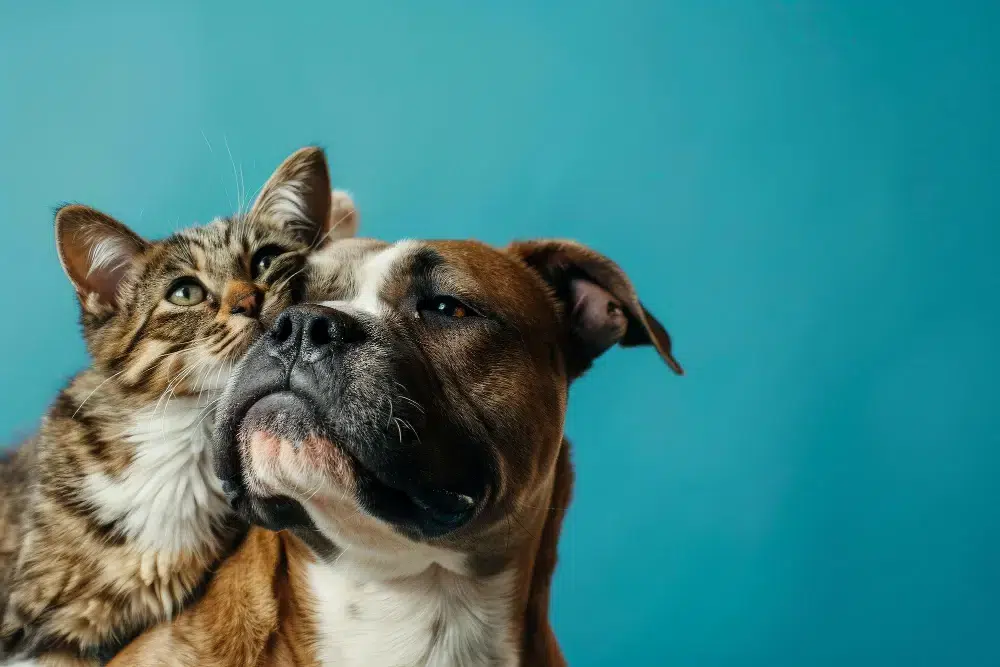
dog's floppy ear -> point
(600, 305)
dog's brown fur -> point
(259, 610)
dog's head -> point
(413, 411)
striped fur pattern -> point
(119, 517)
(15, 468)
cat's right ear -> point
(297, 198)
(96, 251)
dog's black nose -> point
(309, 332)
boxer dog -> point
(399, 443)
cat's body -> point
(118, 517)
(15, 470)
(123, 520)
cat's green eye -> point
(186, 292)
(263, 258)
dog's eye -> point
(447, 306)
(263, 258)
(186, 292)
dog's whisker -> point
(411, 402)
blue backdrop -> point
(805, 192)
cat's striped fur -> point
(117, 517)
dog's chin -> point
(288, 460)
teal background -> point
(805, 192)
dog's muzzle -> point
(291, 385)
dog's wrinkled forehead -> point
(376, 278)
(359, 276)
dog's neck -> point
(434, 617)
(429, 609)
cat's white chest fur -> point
(435, 619)
(168, 497)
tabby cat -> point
(123, 518)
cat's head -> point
(175, 315)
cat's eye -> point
(263, 258)
(186, 292)
(446, 306)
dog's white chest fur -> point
(434, 619)
(168, 497)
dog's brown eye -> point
(447, 306)
(263, 258)
(186, 292)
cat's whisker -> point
(152, 365)
(207, 410)
(173, 384)
(230, 344)
(225, 352)
(339, 221)
(284, 281)
(167, 394)
(192, 344)
(167, 389)
(239, 196)
(180, 378)
(223, 343)
(256, 192)
(218, 376)
(109, 379)
(243, 187)
(207, 142)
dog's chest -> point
(436, 619)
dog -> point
(398, 444)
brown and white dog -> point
(399, 442)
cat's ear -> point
(297, 196)
(96, 251)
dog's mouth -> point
(383, 489)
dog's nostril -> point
(282, 330)
(319, 332)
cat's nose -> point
(242, 298)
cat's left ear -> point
(96, 251)
(297, 198)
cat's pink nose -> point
(242, 298)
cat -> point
(113, 510)
(15, 466)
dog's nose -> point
(311, 331)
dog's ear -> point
(297, 197)
(344, 217)
(600, 306)
(96, 251)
